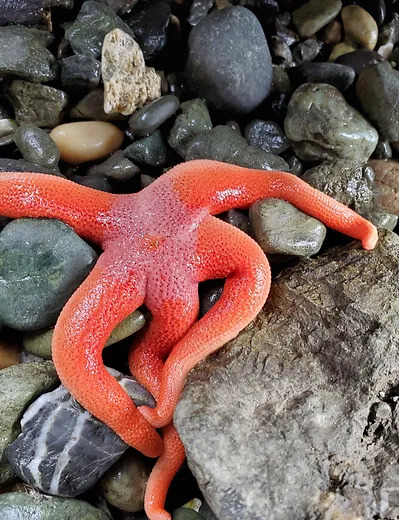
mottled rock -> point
(19, 165)
(224, 144)
(36, 146)
(120, 6)
(151, 150)
(149, 22)
(40, 507)
(193, 120)
(39, 343)
(42, 262)
(117, 167)
(280, 228)
(9, 353)
(321, 125)
(360, 26)
(80, 72)
(229, 62)
(82, 447)
(314, 15)
(91, 106)
(389, 33)
(7, 130)
(22, 12)
(128, 83)
(360, 59)
(306, 51)
(19, 386)
(85, 141)
(198, 10)
(40, 105)
(378, 88)
(93, 22)
(347, 183)
(316, 365)
(267, 135)
(124, 483)
(386, 184)
(339, 76)
(147, 119)
(25, 56)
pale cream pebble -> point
(360, 26)
(9, 354)
(85, 141)
(128, 83)
(385, 50)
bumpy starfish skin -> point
(158, 245)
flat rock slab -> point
(297, 417)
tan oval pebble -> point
(85, 141)
(360, 26)
(340, 49)
(332, 32)
(9, 354)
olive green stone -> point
(185, 513)
(150, 150)
(147, 119)
(36, 146)
(314, 15)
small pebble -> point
(360, 59)
(117, 167)
(91, 107)
(238, 219)
(85, 141)
(151, 150)
(267, 135)
(9, 353)
(7, 131)
(210, 295)
(36, 146)
(314, 15)
(383, 150)
(340, 76)
(306, 51)
(382, 220)
(80, 72)
(147, 119)
(389, 33)
(280, 228)
(24, 12)
(146, 180)
(360, 26)
(332, 32)
(341, 49)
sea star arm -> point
(219, 187)
(105, 298)
(42, 195)
(222, 251)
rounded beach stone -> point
(117, 167)
(360, 26)
(147, 119)
(229, 62)
(360, 59)
(280, 228)
(80, 72)
(36, 146)
(40, 507)
(267, 135)
(42, 262)
(314, 15)
(151, 150)
(85, 141)
(9, 353)
(321, 125)
(124, 483)
(340, 76)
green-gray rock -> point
(39, 343)
(193, 120)
(349, 184)
(378, 91)
(124, 483)
(24, 55)
(91, 106)
(38, 104)
(280, 228)
(42, 262)
(185, 513)
(7, 130)
(36, 146)
(151, 150)
(20, 165)
(24, 506)
(93, 22)
(322, 126)
(222, 143)
(116, 167)
(381, 219)
(19, 386)
(314, 15)
(150, 117)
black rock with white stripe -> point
(63, 450)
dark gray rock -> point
(281, 229)
(383, 149)
(306, 51)
(19, 386)
(91, 106)
(20, 506)
(120, 6)
(309, 389)
(117, 167)
(67, 4)
(151, 150)
(185, 513)
(150, 117)
(347, 183)
(382, 220)
(19, 165)
(389, 33)
(295, 165)
(45, 37)
(359, 60)
(43, 261)
(386, 185)
(224, 144)
(25, 56)
(206, 512)
(149, 22)
(40, 105)
(24, 12)
(229, 61)
(7, 130)
(82, 447)
(80, 72)
(322, 126)
(198, 10)
(339, 76)
(93, 22)
(378, 88)
(36, 146)
(267, 135)
(237, 219)
(193, 120)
